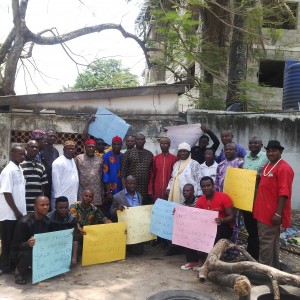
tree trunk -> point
(213, 264)
(237, 56)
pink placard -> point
(194, 228)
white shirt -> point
(12, 181)
(65, 180)
(210, 171)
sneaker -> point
(190, 265)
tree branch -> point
(59, 39)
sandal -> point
(19, 279)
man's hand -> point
(31, 242)
(108, 221)
(121, 207)
(18, 215)
(219, 220)
(276, 219)
(204, 128)
(91, 119)
(80, 230)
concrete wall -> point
(284, 127)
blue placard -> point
(107, 125)
(162, 218)
(51, 254)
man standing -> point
(34, 173)
(41, 137)
(186, 170)
(226, 137)
(89, 168)
(255, 160)
(24, 241)
(49, 155)
(137, 162)
(62, 219)
(130, 142)
(12, 203)
(230, 161)
(112, 161)
(197, 152)
(272, 206)
(161, 170)
(65, 179)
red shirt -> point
(219, 202)
(277, 183)
(160, 174)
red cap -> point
(89, 142)
(116, 139)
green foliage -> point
(104, 73)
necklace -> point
(271, 168)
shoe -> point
(190, 265)
(19, 279)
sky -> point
(56, 68)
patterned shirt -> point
(87, 216)
(112, 171)
(221, 171)
(138, 164)
(36, 180)
(90, 175)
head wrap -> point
(116, 139)
(37, 134)
(69, 143)
(90, 142)
(184, 146)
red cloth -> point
(160, 174)
(219, 202)
(278, 183)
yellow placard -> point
(239, 185)
(137, 221)
(104, 243)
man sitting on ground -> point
(61, 219)
(27, 227)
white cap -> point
(184, 146)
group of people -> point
(41, 191)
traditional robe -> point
(160, 175)
(65, 180)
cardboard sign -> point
(104, 243)
(162, 218)
(137, 221)
(107, 125)
(51, 254)
(239, 185)
(194, 228)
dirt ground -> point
(138, 277)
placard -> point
(137, 221)
(239, 185)
(51, 254)
(104, 243)
(107, 125)
(162, 218)
(194, 228)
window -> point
(271, 73)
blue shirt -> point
(133, 201)
(240, 152)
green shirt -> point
(255, 163)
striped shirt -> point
(36, 180)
